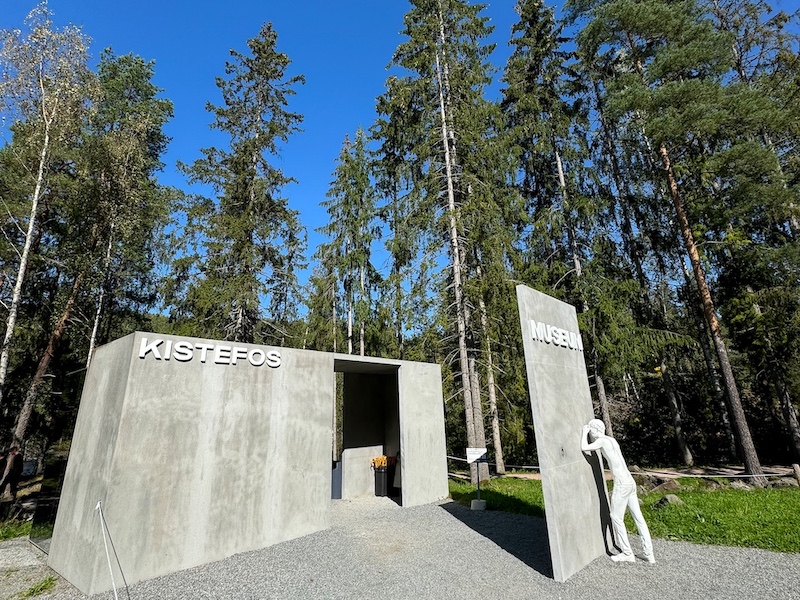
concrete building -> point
(200, 449)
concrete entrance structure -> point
(574, 491)
(201, 449)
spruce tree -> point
(352, 229)
(244, 245)
(447, 55)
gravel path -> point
(377, 550)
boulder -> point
(710, 484)
(645, 481)
(738, 484)
(784, 482)
(670, 485)
(667, 500)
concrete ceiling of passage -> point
(347, 363)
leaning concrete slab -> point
(201, 449)
(561, 403)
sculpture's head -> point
(597, 427)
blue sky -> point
(342, 47)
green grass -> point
(13, 529)
(768, 518)
(760, 518)
(45, 585)
(519, 496)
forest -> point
(637, 159)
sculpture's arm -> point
(586, 445)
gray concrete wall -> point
(200, 449)
(561, 403)
(423, 461)
(358, 478)
(194, 461)
(364, 410)
(391, 416)
(77, 545)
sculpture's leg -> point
(641, 526)
(619, 502)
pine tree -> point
(665, 68)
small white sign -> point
(476, 455)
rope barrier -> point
(710, 476)
(648, 471)
(106, 541)
(531, 467)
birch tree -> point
(42, 76)
(114, 178)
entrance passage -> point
(370, 427)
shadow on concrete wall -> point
(606, 528)
(522, 536)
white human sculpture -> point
(593, 437)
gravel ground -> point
(375, 550)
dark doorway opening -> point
(370, 428)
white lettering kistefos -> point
(184, 351)
(550, 334)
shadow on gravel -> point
(522, 536)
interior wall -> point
(358, 479)
(370, 428)
(370, 413)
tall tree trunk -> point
(16, 297)
(787, 406)
(790, 416)
(711, 367)
(717, 391)
(398, 316)
(349, 293)
(334, 317)
(603, 400)
(361, 319)
(492, 391)
(477, 414)
(677, 420)
(573, 244)
(101, 299)
(752, 464)
(472, 424)
(26, 411)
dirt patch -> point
(23, 566)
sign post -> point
(477, 455)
